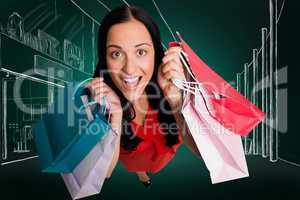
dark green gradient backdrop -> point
(223, 33)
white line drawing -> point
(289, 162)
(52, 69)
(41, 20)
(19, 160)
(36, 116)
(104, 5)
(30, 77)
(51, 22)
(27, 98)
(37, 19)
(127, 4)
(268, 35)
(254, 99)
(68, 24)
(73, 55)
(55, 18)
(54, 58)
(162, 17)
(280, 12)
(264, 138)
(246, 93)
(93, 39)
(48, 44)
(20, 135)
(265, 96)
(31, 12)
(15, 26)
(4, 122)
(273, 81)
(164, 46)
(26, 116)
(16, 32)
(21, 140)
(94, 20)
(75, 30)
(82, 62)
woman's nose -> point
(129, 66)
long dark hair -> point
(121, 15)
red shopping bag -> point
(231, 109)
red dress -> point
(151, 154)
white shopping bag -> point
(88, 177)
(221, 149)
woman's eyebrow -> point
(144, 43)
(114, 45)
(137, 45)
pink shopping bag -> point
(221, 150)
(230, 108)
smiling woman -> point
(134, 74)
(130, 57)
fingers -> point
(172, 74)
(172, 65)
(98, 89)
(170, 70)
(177, 50)
(95, 82)
(104, 95)
(172, 62)
(100, 93)
(171, 56)
(173, 49)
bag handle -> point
(194, 85)
(86, 105)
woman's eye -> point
(116, 54)
(141, 52)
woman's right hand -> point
(100, 89)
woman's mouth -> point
(131, 82)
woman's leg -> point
(143, 177)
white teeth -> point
(131, 80)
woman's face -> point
(130, 57)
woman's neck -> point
(140, 106)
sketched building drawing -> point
(41, 50)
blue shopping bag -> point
(69, 130)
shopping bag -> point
(88, 177)
(221, 150)
(67, 133)
(224, 102)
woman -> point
(134, 74)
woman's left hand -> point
(171, 68)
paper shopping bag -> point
(88, 177)
(221, 150)
(229, 107)
(66, 134)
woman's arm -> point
(116, 123)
